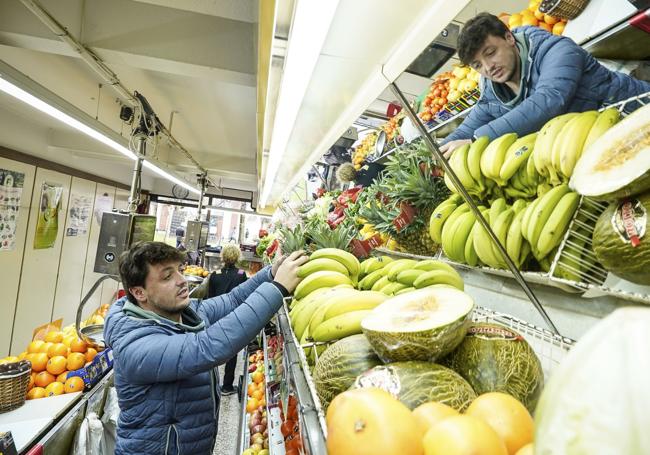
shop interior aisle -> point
(229, 415)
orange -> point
(57, 349)
(78, 346)
(67, 340)
(550, 20)
(22, 355)
(35, 346)
(558, 28)
(54, 336)
(527, 12)
(507, 416)
(529, 20)
(515, 20)
(76, 360)
(43, 379)
(56, 365)
(373, 419)
(257, 377)
(31, 381)
(39, 361)
(462, 434)
(55, 388)
(73, 384)
(533, 4)
(45, 347)
(545, 26)
(62, 377)
(251, 389)
(432, 413)
(526, 450)
(258, 394)
(36, 392)
(538, 15)
(90, 354)
(251, 405)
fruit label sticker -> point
(629, 220)
(492, 332)
(521, 151)
(405, 217)
(382, 377)
(362, 248)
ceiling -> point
(194, 61)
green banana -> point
(471, 258)
(405, 291)
(438, 219)
(460, 232)
(498, 206)
(458, 163)
(340, 326)
(525, 252)
(531, 174)
(322, 279)
(542, 213)
(606, 119)
(439, 277)
(543, 188)
(317, 265)
(514, 240)
(379, 284)
(369, 280)
(500, 228)
(363, 300)
(433, 264)
(517, 155)
(345, 258)
(557, 223)
(447, 229)
(474, 157)
(517, 182)
(572, 145)
(494, 154)
(528, 212)
(392, 288)
(407, 277)
(519, 205)
(386, 270)
(399, 267)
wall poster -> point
(47, 226)
(11, 190)
(79, 214)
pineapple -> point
(292, 239)
(323, 236)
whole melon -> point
(340, 364)
(415, 383)
(494, 358)
(621, 239)
(426, 324)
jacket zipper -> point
(214, 405)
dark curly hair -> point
(475, 32)
(134, 263)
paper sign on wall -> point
(11, 190)
(47, 225)
(79, 215)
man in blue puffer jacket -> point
(166, 347)
(528, 77)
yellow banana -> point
(542, 213)
(439, 277)
(500, 228)
(398, 267)
(341, 326)
(438, 219)
(474, 157)
(380, 284)
(345, 258)
(448, 228)
(407, 277)
(369, 280)
(557, 224)
(542, 149)
(528, 212)
(317, 265)
(322, 279)
(302, 318)
(606, 119)
(483, 244)
(458, 163)
(494, 154)
(433, 264)
(471, 258)
(346, 303)
(548, 145)
(392, 288)
(460, 232)
(516, 156)
(576, 135)
(498, 206)
(514, 240)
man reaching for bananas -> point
(528, 77)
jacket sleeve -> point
(561, 69)
(151, 354)
(476, 118)
(217, 307)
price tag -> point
(406, 216)
(362, 248)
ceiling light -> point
(52, 111)
(310, 25)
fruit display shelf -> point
(273, 374)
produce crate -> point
(551, 349)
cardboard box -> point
(91, 374)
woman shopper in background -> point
(221, 283)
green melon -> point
(340, 364)
(415, 383)
(494, 358)
(616, 248)
(424, 325)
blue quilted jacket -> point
(165, 372)
(560, 77)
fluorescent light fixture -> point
(44, 107)
(310, 25)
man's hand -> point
(449, 148)
(287, 273)
(276, 264)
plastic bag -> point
(89, 437)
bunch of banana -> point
(440, 215)
(372, 265)
(465, 163)
(494, 157)
(327, 267)
(547, 218)
(561, 141)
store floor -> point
(229, 415)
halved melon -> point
(422, 325)
(618, 164)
